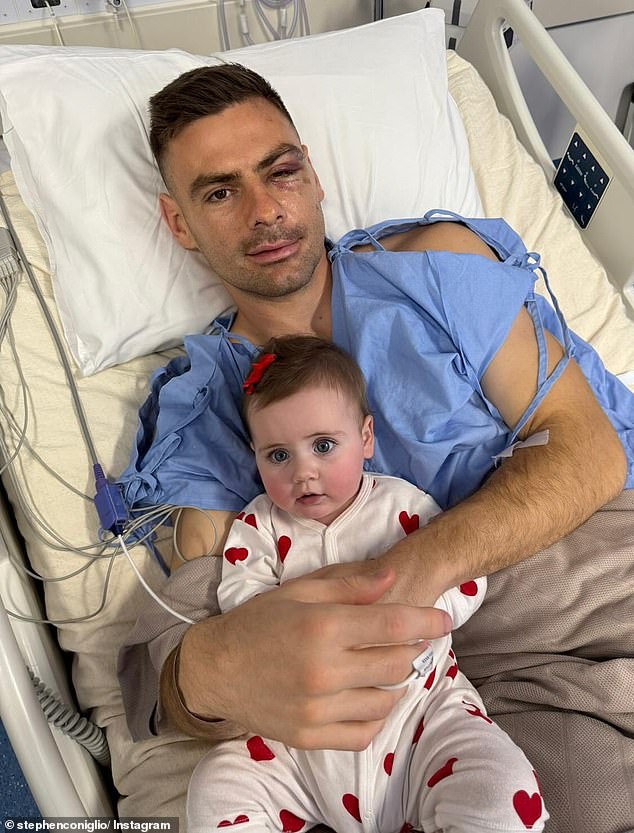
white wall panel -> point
(188, 25)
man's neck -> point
(306, 311)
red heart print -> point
(469, 588)
(410, 523)
(388, 762)
(528, 807)
(419, 731)
(250, 519)
(351, 803)
(406, 828)
(237, 820)
(258, 750)
(283, 546)
(239, 516)
(444, 772)
(234, 554)
(430, 680)
(290, 822)
(452, 671)
(476, 711)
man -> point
(301, 664)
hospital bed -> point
(591, 270)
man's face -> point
(244, 193)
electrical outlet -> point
(26, 11)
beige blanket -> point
(552, 653)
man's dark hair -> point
(200, 92)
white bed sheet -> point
(152, 776)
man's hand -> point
(301, 663)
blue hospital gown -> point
(423, 327)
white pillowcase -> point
(371, 103)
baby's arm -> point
(463, 601)
(250, 561)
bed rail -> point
(609, 232)
(63, 778)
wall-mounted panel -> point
(164, 23)
(25, 11)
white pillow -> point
(371, 103)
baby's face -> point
(309, 449)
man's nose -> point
(264, 207)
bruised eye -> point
(284, 172)
(279, 455)
(323, 445)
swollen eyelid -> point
(294, 169)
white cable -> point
(299, 23)
(76, 619)
(133, 25)
(156, 598)
(225, 43)
(54, 19)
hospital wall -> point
(189, 25)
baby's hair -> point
(304, 362)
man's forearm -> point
(180, 717)
(532, 500)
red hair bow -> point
(257, 371)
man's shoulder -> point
(445, 236)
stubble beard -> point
(276, 280)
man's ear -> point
(173, 217)
(367, 435)
(320, 190)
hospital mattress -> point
(150, 777)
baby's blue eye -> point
(279, 455)
(323, 446)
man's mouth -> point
(274, 252)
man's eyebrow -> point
(281, 150)
(205, 180)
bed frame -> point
(63, 778)
(608, 234)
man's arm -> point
(534, 497)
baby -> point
(439, 763)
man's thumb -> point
(367, 587)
